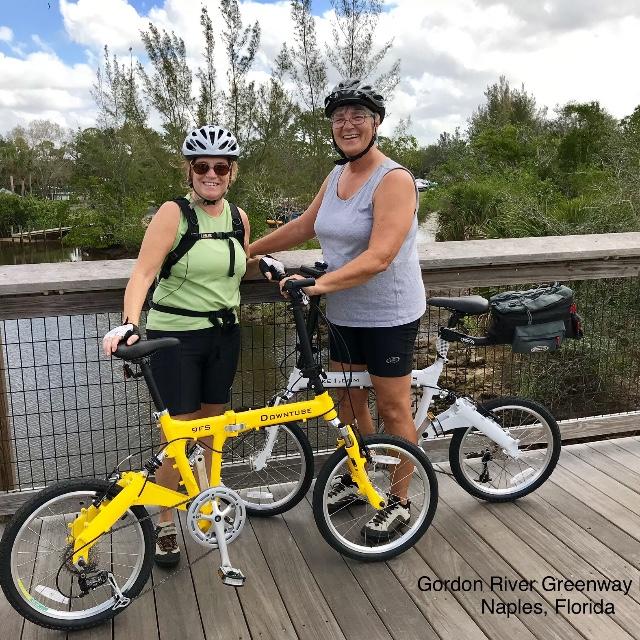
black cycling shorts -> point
(387, 351)
(199, 370)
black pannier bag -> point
(534, 320)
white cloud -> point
(6, 34)
(109, 22)
(41, 85)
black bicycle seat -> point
(143, 348)
(469, 305)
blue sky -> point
(450, 50)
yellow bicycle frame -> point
(138, 490)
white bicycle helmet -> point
(210, 140)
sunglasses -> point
(201, 168)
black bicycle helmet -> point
(354, 91)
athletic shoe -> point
(167, 550)
(385, 523)
(343, 493)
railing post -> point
(7, 480)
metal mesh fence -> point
(70, 413)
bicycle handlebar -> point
(296, 285)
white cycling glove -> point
(269, 265)
(123, 332)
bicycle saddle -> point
(470, 305)
(143, 348)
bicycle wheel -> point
(275, 483)
(486, 471)
(397, 467)
(41, 583)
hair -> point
(233, 174)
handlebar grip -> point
(314, 272)
(296, 285)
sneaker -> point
(386, 522)
(343, 493)
(167, 550)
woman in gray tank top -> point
(365, 219)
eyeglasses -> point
(219, 168)
(356, 118)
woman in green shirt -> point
(196, 297)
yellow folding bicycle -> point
(81, 550)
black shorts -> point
(387, 351)
(200, 370)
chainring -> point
(216, 502)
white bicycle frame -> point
(461, 414)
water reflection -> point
(37, 252)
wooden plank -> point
(447, 563)
(12, 621)
(458, 264)
(529, 564)
(265, 612)
(585, 513)
(613, 450)
(400, 614)
(605, 464)
(51, 537)
(310, 614)
(219, 605)
(581, 541)
(599, 426)
(349, 605)
(487, 563)
(139, 619)
(444, 613)
(632, 445)
(176, 601)
(568, 563)
(593, 477)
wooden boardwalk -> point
(583, 524)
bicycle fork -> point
(356, 463)
(463, 413)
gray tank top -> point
(393, 297)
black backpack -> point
(223, 317)
(192, 235)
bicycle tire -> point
(468, 447)
(341, 531)
(29, 602)
(282, 482)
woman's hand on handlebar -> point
(311, 290)
(271, 268)
(128, 333)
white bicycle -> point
(500, 450)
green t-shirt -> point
(200, 280)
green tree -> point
(168, 87)
(241, 45)
(207, 111)
(352, 53)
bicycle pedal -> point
(231, 577)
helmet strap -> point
(345, 158)
(204, 201)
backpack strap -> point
(191, 236)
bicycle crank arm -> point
(229, 575)
(463, 414)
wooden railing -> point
(63, 289)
